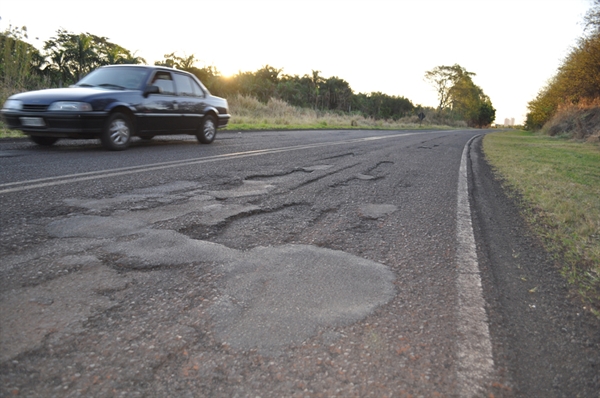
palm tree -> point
(81, 54)
(113, 55)
(132, 59)
(316, 82)
(59, 66)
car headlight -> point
(70, 106)
(13, 104)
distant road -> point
(333, 263)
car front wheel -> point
(117, 132)
(208, 130)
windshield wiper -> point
(84, 85)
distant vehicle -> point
(115, 103)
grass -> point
(6, 133)
(250, 114)
(559, 180)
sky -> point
(513, 46)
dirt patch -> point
(579, 122)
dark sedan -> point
(116, 102)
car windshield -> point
(115, 78)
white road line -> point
(95, 175)
(475, 360)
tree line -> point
(577, 81)
(67, 57)
(460, 97)
(307, 91)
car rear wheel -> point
(43, 141)
(208, 130)
(117, 132)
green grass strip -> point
(559, 181)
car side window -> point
(198, 92)
(184, 85)
(164, 82)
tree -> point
(337, 94)
(465, 99)
(211, 78)
(131, 58)
(70, 56)
(58, 68)
(265, 82)
(592, 17)
(577, 80)
(316, 82)
(82, 54)
(460, 95)
(444, 78)
(77, 53)
(20, 62)
(579, 74)
(67, 56)
(486, 114)
(543, 106)
(171, 60)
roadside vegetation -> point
(558, 183)
(266, 98)
(569, 104)
(554, 168)
(248, 113)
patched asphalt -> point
(271, 297)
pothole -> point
(375, 211)
(92, 227)
(274, 297)
(246, 230)
(248, 188)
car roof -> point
(159, 68)
(149, 67)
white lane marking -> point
(94, 175)
(475, 360)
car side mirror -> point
(151, 90)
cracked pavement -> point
(327, 271)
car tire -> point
(117, 132)
(208, 130)
(43, 141)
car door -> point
(191, 100)
(159, 112)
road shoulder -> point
(538, 329)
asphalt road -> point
(314, 263)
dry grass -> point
(580, 121)
(249, 113)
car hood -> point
(46, 97)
